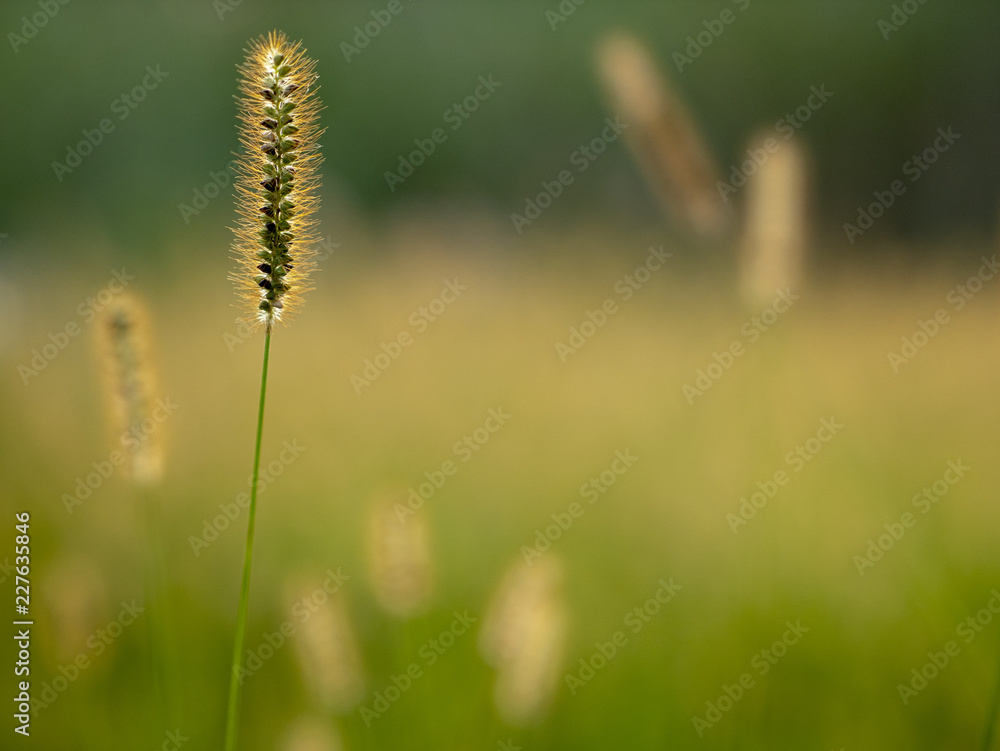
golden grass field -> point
(494, 347)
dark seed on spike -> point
(264, 283)
(270, 185)
(267, 210)
(269, 122)
(267, 94)
(265, 267)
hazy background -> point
(385, 254)
(889, 99)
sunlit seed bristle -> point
(276, 201)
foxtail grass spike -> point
(133, 387)
(131, 382)
(399, 558)
(523, 636)
(75, 595)
(523, 590)
(326, 646)
(276, 189)
(663, 137)
(528, 679)
(310, 733)
(277, 177)
(775, 226)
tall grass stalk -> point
(992, 712)
(275, 187)
(235, 683)
(132, 386)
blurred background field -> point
(386, 254)
(664, 518)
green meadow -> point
(769, 504)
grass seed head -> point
(523, 591)
(326, 646)
(523, 635)
(527, 681)
(663, 136)
(277, 178)
(310, 733)
(775, 229)
(399, 557)
(132, 387)
(75, 597)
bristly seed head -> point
(131, 382)
(277, 176)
